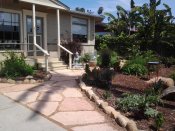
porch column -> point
(34, 29)
(58, 34)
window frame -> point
(20, 29)
(87, 26)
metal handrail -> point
(70, 55)
(39, 47)
(65, 49)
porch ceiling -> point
(47, 3)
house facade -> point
(39, 27)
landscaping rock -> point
(86, 88)
(122, 120)
(95, 97)
(4, 80)
(108, 110)
(11, 81)
(115, 114)
(131, 126)
(103, 105)
(29, 77)
(26, 81)
(90, 93)
(99, 102)
(19, 82)
(167, 81)
(169, 93)
(32, 81)
(40, 81)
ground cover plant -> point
(15, 66)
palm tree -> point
(123, 22)
(155, 27)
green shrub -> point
(168, 61)
(86, 58)
(131, 102)
(137, 102)
(149, 56)
(159, 120)
(107, 95)
(104, 58)
(107, 58)
(134, 69)
(87, 69)
(150, 112)
(15, 66)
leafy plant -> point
(104, 58)
(150, 112)
(87, 69)
(134, 69)
(159, 120)
(132, 102)
(168, 61)
(15, 66)
(86, 58)
(107, 95)
(107, 58)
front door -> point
(39, 35)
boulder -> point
(122, 120)
(32, 81)
(4, 80)
(95, 97)
(131, 126)
(19, 82)
(115, 114)
(108, 110)
(99, 102)
(167, 81)
(103, 105)
(29, 77)
(11, 81)
(90, 93)
(169, 93)
(26, 81)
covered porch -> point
(25, 27)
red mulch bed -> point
(125, 83)
(129, 82)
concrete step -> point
(51, 59)
(52, 64)
(61, 67)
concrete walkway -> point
(14, 117)
(59, 100)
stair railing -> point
(70, 55)
(46, 55)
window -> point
(9, 30)
(79, 29)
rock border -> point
(27, 80)
(120, 119)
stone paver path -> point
(60, 100)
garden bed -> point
(39, 76)
(142, 123)
(129, 83)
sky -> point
(110, 5)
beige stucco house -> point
(38, 27)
